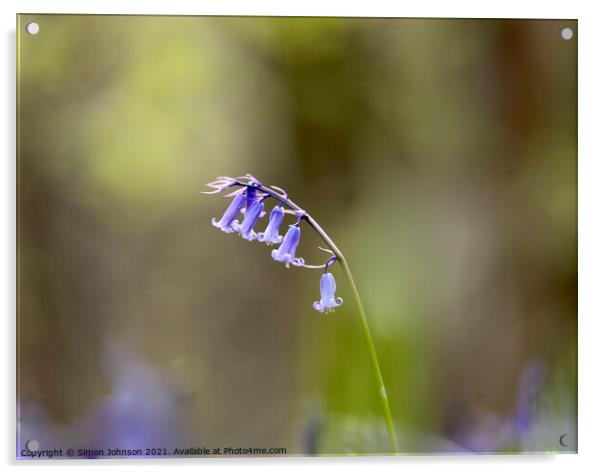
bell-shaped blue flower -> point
(286, 251)
(328, 302)
(252, 215)
(271, 236)
(228, 220)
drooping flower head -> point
(252, 215)
(228, 220)
(248, 199)
(328, 302)
(271, 236)
(286, 252)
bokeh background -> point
(439, 154)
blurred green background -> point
(441, 157)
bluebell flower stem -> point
(373, 358)
(382, 391)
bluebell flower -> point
(252, 215)
(327, 301)
(271, 236)
(286, 251)
(228, 220)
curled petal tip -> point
(220, 184)
(280, 190)
(326, 250)
(235, 193)
(249, 177)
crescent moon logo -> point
(562, 441)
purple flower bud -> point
(252, 215)
(227, 221)
(286, 251)
(270, 236)
(327, 301)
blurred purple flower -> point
(286, 251)
(530, 384)
(143, 409)
(479, 430)
(271, 236)
(328, 302)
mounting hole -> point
(566, 34)
(32, 445)
(32, 28)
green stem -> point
(356, 296)
(373, 359)
(366, 330)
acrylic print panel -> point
(384, 259)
